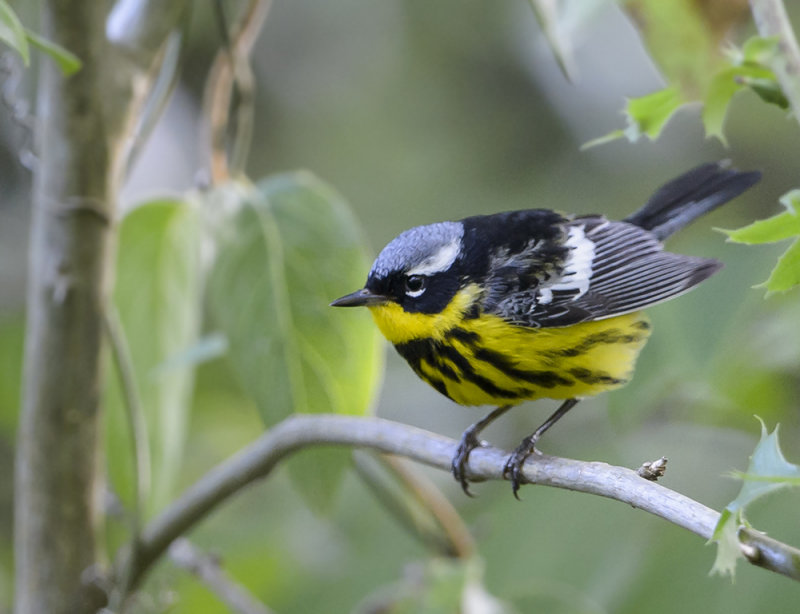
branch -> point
(137, 427)
(300, 431)
(771, 20)
(208, 570)
(232, 68)
(417, 504)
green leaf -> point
(722, 89)
(12, 32)
(680, 39)
(759, 49)
(766, 464)
(786, 274)
(769, 90)
(715, 107)
(649, 114)
(285, 249)
(786, 225)
(68, 62)
(777, 228)
(747, 67)
(768, 472)
(645, 116)
(158, 297)
(726, 536)
(18, 37)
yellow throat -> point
(399, 326)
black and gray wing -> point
(607, 269)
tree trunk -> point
(83, 128)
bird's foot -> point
(469, 441)
(513, 467)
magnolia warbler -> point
(499, 309)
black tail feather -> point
(691, 195)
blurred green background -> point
(418, 112)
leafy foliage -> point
(645, 116)
(67, 61)
(18, 37)
(12, 32)
(285, 249)
(786, 225)
(768, 471)
(158, 296)
(680, 38)
(747, 67)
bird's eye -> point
(415, 285)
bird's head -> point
(411, 287)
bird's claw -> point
(513, 466)
(469, 441)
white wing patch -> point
(611, 268)
(439, 261)
(577, 268)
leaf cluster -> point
(21, 38)
(768, 472)
(244, 273)
(780, 227)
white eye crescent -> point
(415, 285)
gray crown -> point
(420, 247)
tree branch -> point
(232, 68)
(417, 504)
(300, 431)
(209, 571)
(771, 20)
(137, 427)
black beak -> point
(359, 298)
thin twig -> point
(140, 448)
(771, 20)
(417, 504)
(301, 431)
(432, 499)
(164, 84)
(208, 570)
(231, 68)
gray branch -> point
(300, 431)
(208, 570)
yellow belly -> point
(556, 363)
(486, 361)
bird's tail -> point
(691, 195)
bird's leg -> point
(528, 446)
(470, 441)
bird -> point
(522, 305)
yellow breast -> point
(487, 361)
